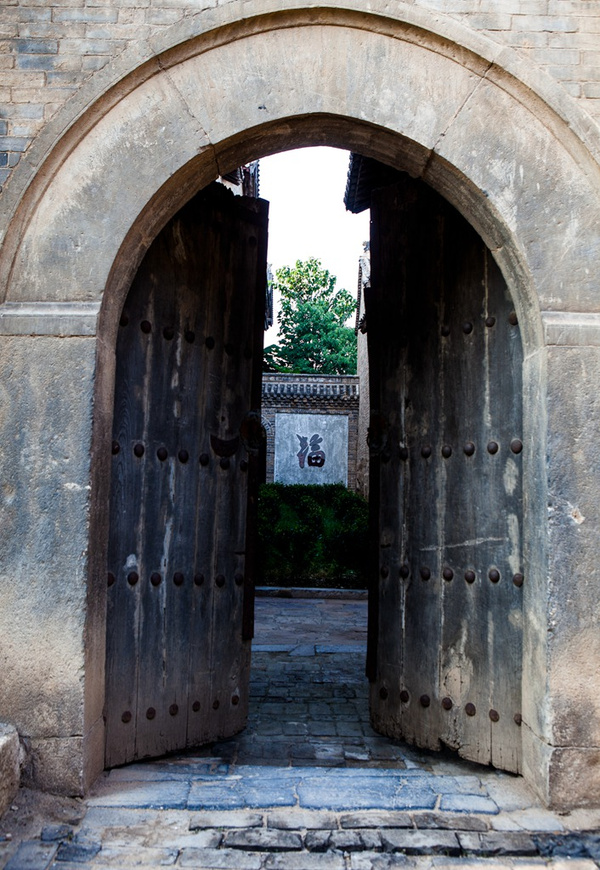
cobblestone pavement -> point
(309, 784)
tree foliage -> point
(313, 337)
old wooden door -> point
(184, 476)
(445, 364)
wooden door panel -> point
(445, 367)
(188, 363)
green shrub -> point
(311, 536)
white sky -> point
(307, 216)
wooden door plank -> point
(423, 256)
(465, 642)
(230, 680)
(384, 302)
(156, 505)
(445, 376)
(124, 609)
(189, 377)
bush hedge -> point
(312, 536)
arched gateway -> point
(420, 95)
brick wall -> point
(311, 394)
(49, 49)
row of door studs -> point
(447, 704)
(467, 326)
(425, 701)
(162, 453)
(127, 716)
(404, 572)
(183, 456)
(516, 446)
(178, 579)
(188, 334)
(448, 574)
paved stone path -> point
(309, 784)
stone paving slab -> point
(223, 787)
(32, 855)
(468, 803)
(146, 794)
(306, 862)
(301, 820)
(363, 792)
(242, 819)
(226, 859)
(80, 851)
(492, 843)
(421, 842)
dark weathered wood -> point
(175, 646)
(442, 375)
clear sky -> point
(307, 216)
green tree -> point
(312, 333)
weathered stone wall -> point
(43, 594)
(49, 49)
(311, 394)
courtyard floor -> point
(307, 785)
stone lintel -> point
(49, 318)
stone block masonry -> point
(331, 395)
(49, 50)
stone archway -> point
(390, 89)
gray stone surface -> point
(450, 821)
(126, 856)
(159, 795)
(235, 819)
(492, 843)
(46, 476)
(79, 851)
(32, 855)
(468, 803)
(299, 819)
(420, 842)
(371, 819)
(53, 833)
(263, 841)
(9, 766)
(335, 792)
(293, 861)
(226, 859)
(329, 451)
